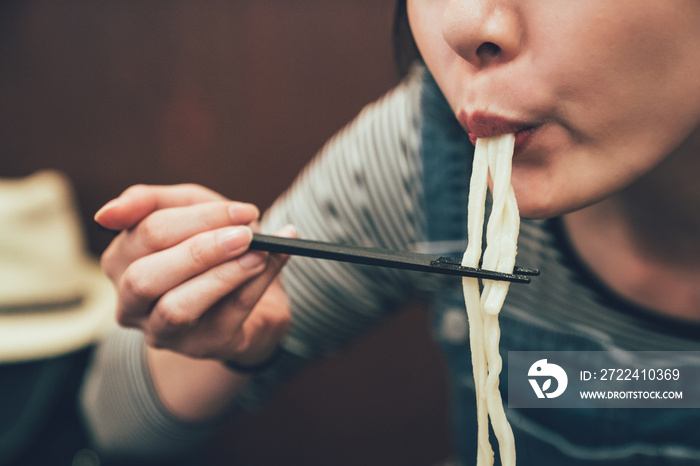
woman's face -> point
(598, 91)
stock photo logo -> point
(542, 373)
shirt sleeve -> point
(363, 188)
(120, 405)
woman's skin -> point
(608, 94)
(184, 276)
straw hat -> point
(54, 299)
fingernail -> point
(106, 207)
(287, 231)
(243, 213)
(252, 259)
(234, 238)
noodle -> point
(492, 155)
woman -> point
(604, 102)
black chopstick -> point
(383, 258)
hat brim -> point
(40, 335)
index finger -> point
(138, 201)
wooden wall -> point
(235, 95)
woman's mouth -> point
(482, 125)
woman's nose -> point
(483, 31)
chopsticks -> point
(384, 258)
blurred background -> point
(236, 95)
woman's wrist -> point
(193, 390)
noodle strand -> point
(492, 155)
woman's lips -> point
(483, 125)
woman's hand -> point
(184, 274)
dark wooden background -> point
(236, 95)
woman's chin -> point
(542, 207)
(535, 199)
(539, 212)
(542, 204)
